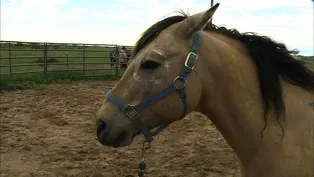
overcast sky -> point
(123, 21)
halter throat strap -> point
(178, 84)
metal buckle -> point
(187, 60)
(131, 112)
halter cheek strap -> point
(178, 84)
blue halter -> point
(178, 84)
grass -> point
(39, 80)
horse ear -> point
(196, 22)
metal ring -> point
(177, 86)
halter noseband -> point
(133, 111)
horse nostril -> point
(101, 125)
(102, 131)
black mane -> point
(272, 59)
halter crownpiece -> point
(133, 111)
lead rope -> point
(142, 165)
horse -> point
(112, 56)
(252, 89)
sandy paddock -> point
(50, 132)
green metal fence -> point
(43, 58)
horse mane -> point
(272, 59)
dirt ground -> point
(51, 132)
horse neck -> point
(230, 94)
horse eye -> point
(150, 65)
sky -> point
(123, 21)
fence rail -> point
(18, 57)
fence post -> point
(10, 59)
(117, 61)
(84, 58)
(67, 54)
(45, 59)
